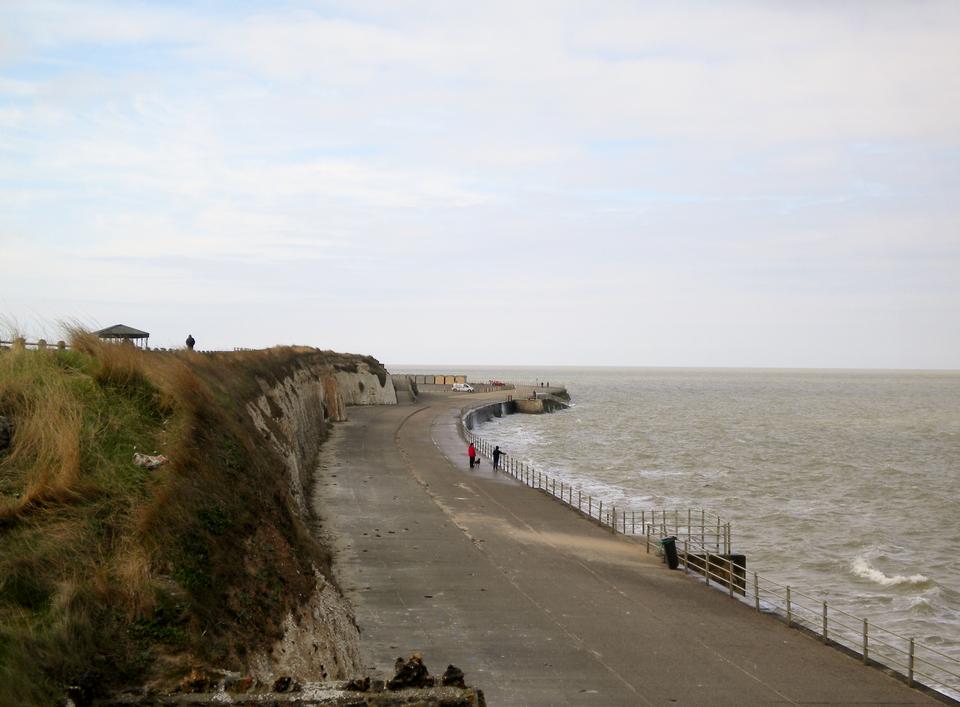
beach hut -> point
(124, 333)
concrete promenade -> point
(537, 605)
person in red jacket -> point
(472, 453)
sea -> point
(841, 483)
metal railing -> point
(523, 388)
(537, 384)
(703, 543)
(692, 525)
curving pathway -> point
(537, 605)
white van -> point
(463, 387)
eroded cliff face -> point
(292, 415)
(321, 639)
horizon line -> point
(664, 367)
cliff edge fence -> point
(114, 574)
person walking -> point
(472, 453)
(190, 342)
(496, 457)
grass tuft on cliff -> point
(113, 575)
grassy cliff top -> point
(112, 574)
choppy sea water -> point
(845, 483)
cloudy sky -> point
(609, 183)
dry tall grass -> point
(45, 461)
(110, 574)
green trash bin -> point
(669, 545)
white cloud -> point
(54, 23)
(716, 154)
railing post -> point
(824, 622)
(600, 513)
(689, 512)
(789, 609)
(910, 665)
(866, 639)
(633, 522)
(613, 525)
(730, 576)
(590, 506)
(718, 534)
(579, 499)
(756, 591)
(647, 536)
(703, 532)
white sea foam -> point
(861, 568)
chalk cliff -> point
(320, 638)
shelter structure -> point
(124, 333)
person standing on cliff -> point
(472, 453)
(496, 457)
(190, 342)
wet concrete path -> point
(537, 605)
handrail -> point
(711, 546)
(39, 344)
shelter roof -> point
(121, 331)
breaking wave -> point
(861, 568)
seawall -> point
(511, 406)
(542, 607)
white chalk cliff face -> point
(292, 414)
(321, 639)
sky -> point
(771, 184)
